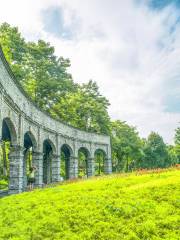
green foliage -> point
(99, 163)
(14, 48)
(155, 152)
(177, 136)
(177, 143)
(43, 75)
(110, 208)
(172, 156)
(3, 184)
(4, 160)
(85, 108)
(82, 164)
(126, 146)
(47, 79)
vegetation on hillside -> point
(129, 206)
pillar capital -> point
(37, 153)
(17, 148)
(73, 157)
(55, 156)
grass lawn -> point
(113, 207)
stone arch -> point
(30, 140)
(100, 159)
(49, 143)
(9, 131)
(48, 150)
(83, 161)
(66, 157)
(9, 140)
(30, 145)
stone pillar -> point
(37, 161)
(90, 167)
(1, 115)
(73, 167)
(108, 166)
(16, 157)
(25, 180)
(1, 118)
(56, 164)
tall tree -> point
(126, 146)
(177, 143)
(85, 108)
(172, 156)
(14, 48)
(47, 78)
(155, 150)
(44, 76)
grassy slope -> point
(113, 207)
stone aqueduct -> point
(27, 126)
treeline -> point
(46, 79)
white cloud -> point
(126, 48)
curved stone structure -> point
(27, 124)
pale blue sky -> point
(131, 48)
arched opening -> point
(83, 156)
(29, 144)
(8, 139)
(99, 159)
(48, 150)
(66, 154)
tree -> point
(155, 152)
(14, 48)
(43, 76)
(85, 108)
(47, 78)
(126, 146)
(177, 143)
(177, 136)
(172, 156)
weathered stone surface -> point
(16, 157)
(23, 116)
(37, 158)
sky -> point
(131, 48)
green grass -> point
(114, 207)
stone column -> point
(56, 164)
(108, 166)
(25, 182)
(1, 108)
(91, 167)
(73, 167)
(37, 161)
(1, 119)
(16, 157)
